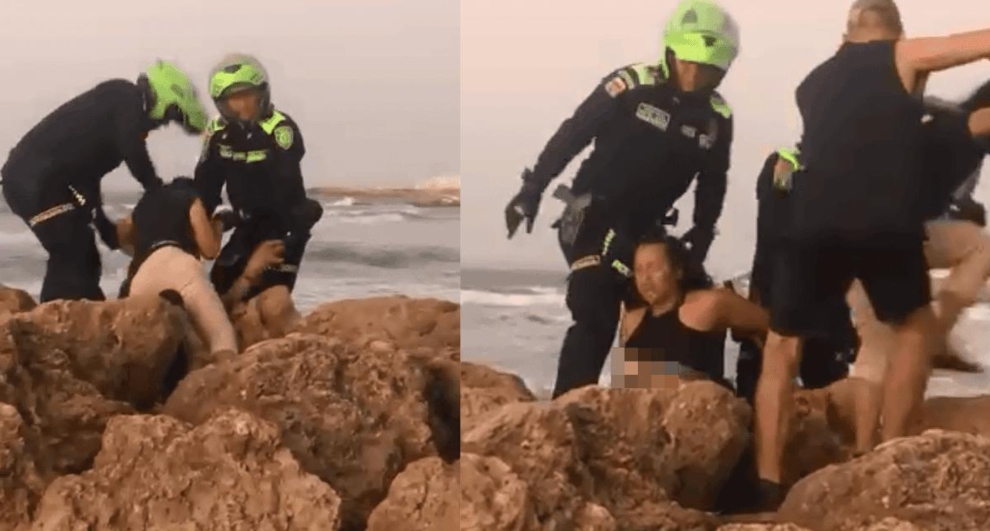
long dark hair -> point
(692, 274)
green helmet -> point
(701, 31)
(235, 73)
(173, 97)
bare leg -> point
(907, 377)
(869, 397)
(775, 403)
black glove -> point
(969, 209)
(228, 218)
(524, 205)
(106, 228)
(698, 240)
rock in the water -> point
(20, 485)
(939, 481)
(353, 417)
(155, 472)
(411, 324)
(484, 389)
(424, 497)
(493, 498)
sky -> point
(525, 65)
(373, 84)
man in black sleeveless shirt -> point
(857, 212)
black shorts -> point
(809, 276)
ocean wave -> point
(533, 296)
(393, 258)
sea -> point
(362, 247)
(515, 320)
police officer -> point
(654, 126)
(52, 177)
(256, 151)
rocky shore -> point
(349, 423)
(601, 459)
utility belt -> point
(77, 201)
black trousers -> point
(74, 267)
(243, 241)
(594, 298)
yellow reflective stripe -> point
(586, 262)
(256, 155)
(52, 212)
(270, 123)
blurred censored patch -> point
(646, 368)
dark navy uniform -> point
(651, 141)
(52, 180)
(260, 165)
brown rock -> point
(424, 497)
(64, 415)
(644, 445)
(893, 524)
(539, 444)
(592, 517)
(762, 527)
(411, 324)
(155, 472)
(13, 300)
(123, 347)
(965, 414)
(484, 389)
(493, 498)
(20, 485)
(938, 480)
(815, 442)
(665, 516)
(352, 417)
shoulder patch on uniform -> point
(615, 86)
(284, 136)
(721, 106)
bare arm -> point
(205, 232)
(979, 122)
(917, 57)
(742, 316)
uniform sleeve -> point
(132, 146)
(208, 177)
(578, 131)
(709, 194)
(290, 149)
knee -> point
(781, 356)
(277, 310)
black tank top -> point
(161, 218)
(862, 132)
(665, 338)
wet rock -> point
(155, 472)
(938, 481)
(123, 347)
(352, 417)
(424, 497)
(410, 324)
(539, 445)
(484, 389)
(494, 498)
(20, 484)
(645, 445)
